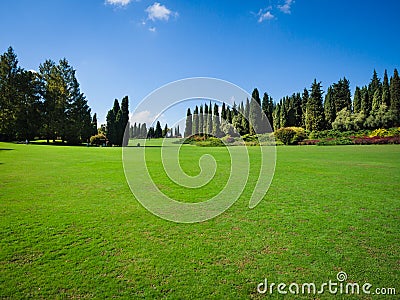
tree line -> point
(376, 105)
(47, 104)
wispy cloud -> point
(158, 11)
(285, 8)
(118, 2)
(264, 14)
(152, 29)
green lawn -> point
(71, 228)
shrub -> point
(98, 139)
(379, 132)
(290, 135)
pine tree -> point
(341, 95)
(188, 127)
(9, 71)
(315, 110)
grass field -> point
(71, 228)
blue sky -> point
(122, 47)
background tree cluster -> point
(246, 118)
(140, 131)
(46, 104)
(376, 105)
(117, 121)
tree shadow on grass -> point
(5, 149)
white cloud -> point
(285, 8)
(264, 15)
(158, 11)
(152, 29)
(118, 2)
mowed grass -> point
(71, 228)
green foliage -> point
(346, 121)
(290, 135)
(315, 118)
(98, 139)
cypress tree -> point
(373, 85)
(216, 122)
(210, 120)
(195, 121)
(366, 102)
(357, 100)
(315, 111)
(188, 127)
(205, 118)
(201, 120)
(385, 90)
(395, 94)
(158, 131)
(165, 131)
(304, 101)
(255, 113)
(329, 108)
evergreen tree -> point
(165, 131)
(210, 120)
(245, 118)
(94, 124)
(158, 133)
(201, 121)
(304, 101)
(283, 115)
(357, 100)
(395, 95)
(205, 118)
(195, 121)
(27, 106)
(377, 100)
(277, 117)
(373, 85)
(255, 113)
(143, 131)
(341, 95)
(315, 110)
(329, 108)
(216, 131)
(188, 127)
(125, 121)
(385, 90)
(9, 71)
(366, 102)
(223, 112)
